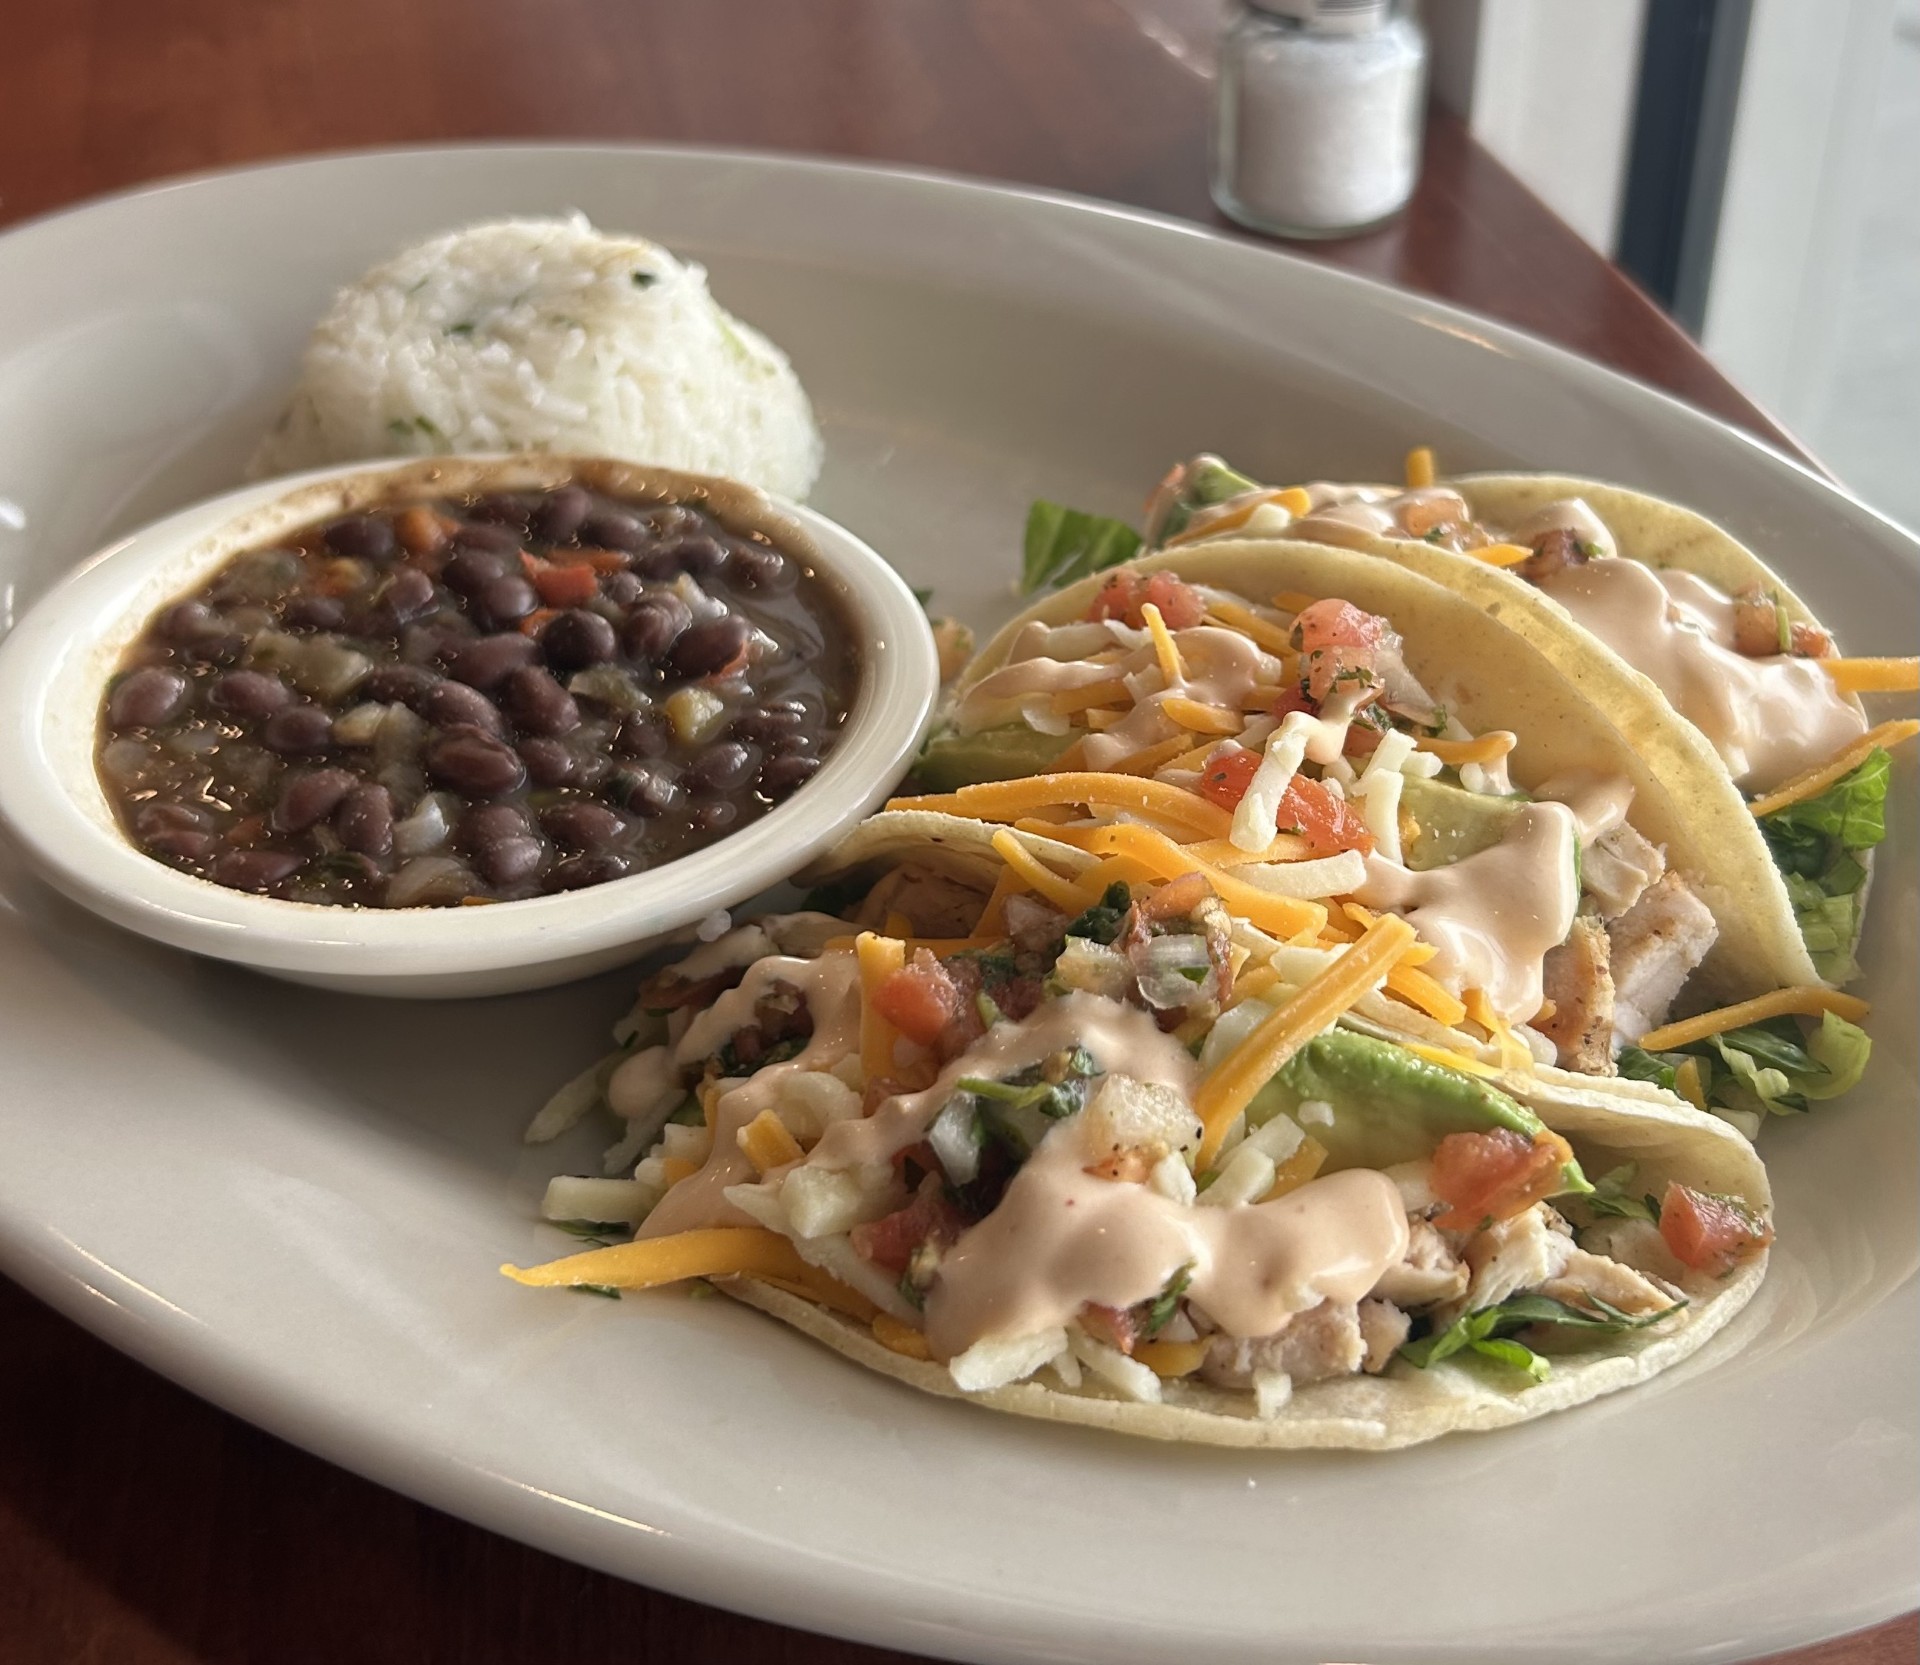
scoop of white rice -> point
(546, 335)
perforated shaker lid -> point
(1330, 17)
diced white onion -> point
(571, 1197)
(994, 1362)
(1380, 809)
(1173, 1179)
(1390, 756)
(1271, 1391)
(1423, 764)
(1040, 716)
(1315, 1112)
(1247, 1177)
(1129, 1376)
(1277, 1138)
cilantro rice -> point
(545, 335)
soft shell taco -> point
(1144, 1166)
(1670, 624)
(1350, 734)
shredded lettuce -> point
(1063, 544)
(1817, 844)
(1203, 482)
(1778, 1068)
(1611, 1196)
(1489, 1332)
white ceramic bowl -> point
(54, 666)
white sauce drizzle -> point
(1062, 1238)
(1492, 915)
(1769, 718)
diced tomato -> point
(1125, 593)
(1494, 1175)
(1181, 606)
(1709, 1233)
(1113, 1325)
(890, 1242)
(1360, 741)
(1292, 700)
(919, 999)
(1178, 898)
(1227, 776)
(1328, 823)
(572, 585)
(1334, 623)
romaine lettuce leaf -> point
(1063, 544)
(1817, 844)
(1488, 1333)
(1777, 1068)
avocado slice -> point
(949, 761)
(1454, 823)
(1389, 1105)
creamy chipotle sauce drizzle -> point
(1062, 1238)
(1769, 719)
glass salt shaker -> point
(1319, 114)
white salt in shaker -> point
(1319, 116)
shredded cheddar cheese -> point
(1273, 637)
(812, 1284)
(1873, 676)
(1111, 692)
(1420, 472)
(1230, 1087)
(1686, 1082)
(1201, 717)
(1448, 1059)
(1232, 515)
(1150, 758)
(1805, 1001)
(1293, 601)
(1515, 1054)
(711, 1252)
(1502, 554)
(1308, 1158)
(993, 917)
(1485, 748)
(1171, 1359)
(1065, 894)
(899, 1338)
(1007, 800)
(879, 958)
(1164, 648)
(768, 1143)
(1416, 988)
(677, 1168)
(1816, 781)
(1283, 916)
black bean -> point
(650, 792)
(315, 612)
(752, 567)
(538, 704)
(297, 731)
(576, 639)
(504, 508)
(408, 595)
(761, 723)
(472, 761)
(251, 693)
(454, 704)
(159, 816)
(612, 529)
(185, 620)
(581, 825)
(398, 684)
(577, 872)
(670, 520)
(780, 775)
(146, 698)
(496, 540)
(512, 861)
(721, 767)
(311, 795)
(470, 569)
(216, 648)
(645, 735)
(709, 647)
(364, 820)
(503, 601)
(487, 661)
(548, 762)
(700, 555)
(486, 824)
(715, 815)
(622, 589)
(790, 744)
(368, 536)
(181, 843)
(656, 623)
(560, 513)
(254, 870)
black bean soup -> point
(475, 700)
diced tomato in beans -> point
(890, 1241)
(1709, 1233)
(573, 584)
(1494, 1175)
(919, 999)
(1126, 593)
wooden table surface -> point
(139, 1526)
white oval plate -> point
(294, 1203)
